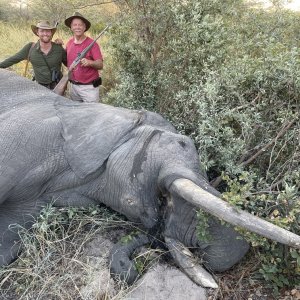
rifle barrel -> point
(84, 51)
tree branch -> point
(264, 148)
(96, 4)
(284, 129)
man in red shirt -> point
(85, 79)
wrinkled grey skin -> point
(80, 154)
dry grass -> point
(53, 263)
(243, 283)
(13, 38)
(65, 257)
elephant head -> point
(131, 161)
(162, 183)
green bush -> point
(228, 76)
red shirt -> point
(83, 74)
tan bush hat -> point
(44, 24)
(77, 15)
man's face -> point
(45, 35)
(78, 27)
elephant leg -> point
(11, 214)
(224, 248)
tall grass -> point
(61, 260)
(13, 38)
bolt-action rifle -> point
(62, 84)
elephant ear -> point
(92, 131)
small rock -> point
(296, 294)
(164, 282)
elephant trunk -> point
(212, 204)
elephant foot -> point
(187, 262)
(121, 266)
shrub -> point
(228, 76)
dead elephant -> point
(132, 161)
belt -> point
(80, 83)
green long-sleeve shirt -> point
(56, 56)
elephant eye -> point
(182, 144)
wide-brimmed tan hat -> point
(77, 15)
(44, 24)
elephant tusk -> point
(203, 199)
(185, 259)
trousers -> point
(84, 93)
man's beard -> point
(46, 40)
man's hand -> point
(59, 41)
(96, 64)
(86, 62)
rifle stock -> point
(61, 87)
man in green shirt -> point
(45, 56)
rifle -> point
(62, 84)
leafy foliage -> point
(228, 76)
(202, 226)
(56, 11)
